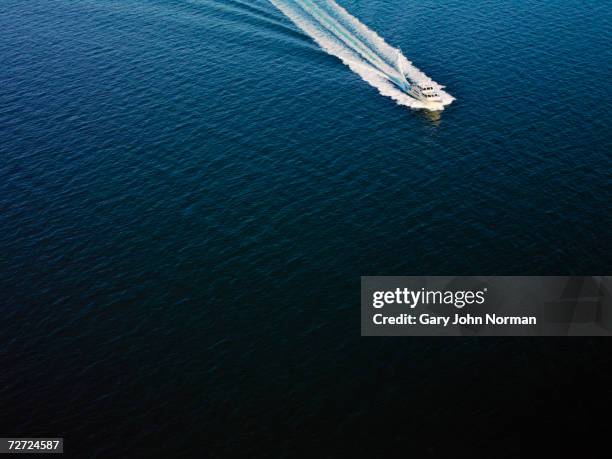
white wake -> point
(342, 35)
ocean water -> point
(190, 191)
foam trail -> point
(339, 33)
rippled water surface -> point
(191, 190)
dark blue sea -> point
(190, 191)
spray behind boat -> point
(366, 53)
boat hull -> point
(427, 104)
